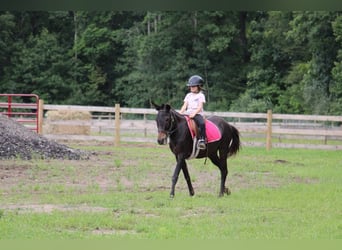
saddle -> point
(211, 130)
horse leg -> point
(179, 166)
(174, 180)
(187, 178)
(221, 163)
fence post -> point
(40, 116)
(269, 130)
(117, 125)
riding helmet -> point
(195, 80)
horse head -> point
(164, 121)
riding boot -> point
(201, 127)
(202, 141)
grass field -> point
(123, 193)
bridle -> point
(173, 126)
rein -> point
(173, 124)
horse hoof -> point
(225, 191)
(172, 196)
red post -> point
(9, 110)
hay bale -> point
(68, 122)
(63, 115)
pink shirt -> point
(193, 100)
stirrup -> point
(201, 144)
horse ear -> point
(156, 106)
(167, 107)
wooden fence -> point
(118, 124)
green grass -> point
(277, 194)
(295, 140)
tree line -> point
(251, 61)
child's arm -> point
(183, 108)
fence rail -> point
(113, 125)
(21, 107)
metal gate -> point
(24, 108)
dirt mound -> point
(17, 141)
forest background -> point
(251, 61)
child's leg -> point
(201, 125)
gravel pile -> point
(17, 141)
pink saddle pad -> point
(212, 131)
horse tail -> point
(235, 143)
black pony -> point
(174, 125)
